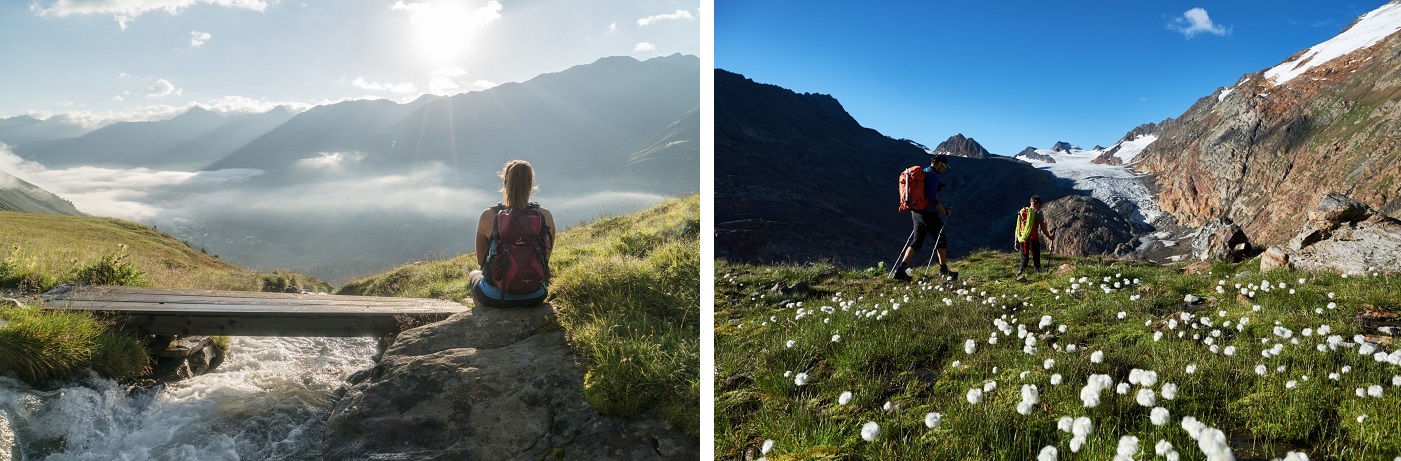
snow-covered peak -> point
(1129, 148)
(1062, 153)
(1367, 31)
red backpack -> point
(912, 189)
(518, 259)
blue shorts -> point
(487, 294)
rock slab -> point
(489, 384)
(1341, 235)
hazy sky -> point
(138, 59)
(1013, 74)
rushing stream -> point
(268, 400)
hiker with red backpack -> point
(514, 240)
(919, 194)
(1031, 224)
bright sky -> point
(1020, 73)
(144, 59)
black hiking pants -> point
(1031, 250)
(926, 223)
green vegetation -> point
(907, 345)
(40, 251)
(628, 293)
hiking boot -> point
(948, 274)
(1021, 278)
(902, 273)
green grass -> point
(628, 292)
(39, 252)
(914, 358)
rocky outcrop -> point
(1221, 239)
(1030, 153)
(487, 384)
(183, 357)
(1257, 153)
(960, 146)
(1085, 226)
(1341, 235)
(1062, 146)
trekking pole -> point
(901, 254)
(937, 238)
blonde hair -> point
(519, 179)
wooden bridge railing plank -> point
(167, 311)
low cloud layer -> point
(338, 209)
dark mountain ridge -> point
(798, 179)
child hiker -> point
(1030, 226)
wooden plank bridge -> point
(163, 311)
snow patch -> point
(1369, 29)
(1222, 96)
(1131, 148)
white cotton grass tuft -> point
(1191, 368)
(800, 379)
(970, 346)
(1146, 398)
(791, 343)
(1048, 453)
(1128, 447)
(1122, 389)
(1296, 456)
(974, 396)
(933, 420)
(768, 446)
(1097, 357)
(845, 398)
(1163, 447)
(888, 406)
(870, 431)
(1056, 379)
(1168, 391)
(836, 338)
(1064, 423)
(1158, 416)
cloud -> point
(327, 160)
(1196, 21)
(161, 89)
(198, 38)
(644, 47)
(613, 27)
(679, 14)
(361, 83)
(484, 84)
(126, 11)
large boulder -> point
(1086, 226)
(1341, 235)
(488, 384)
(1221, 239)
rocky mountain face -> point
(960, 146)
(1062, 146)
(1257, 153)
(798, 179)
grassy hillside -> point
(628, 292)
(838, 364)
(40, 251)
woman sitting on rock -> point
(514, 239)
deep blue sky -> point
(1013, 74)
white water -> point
(268, 400)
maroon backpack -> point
(517, 261)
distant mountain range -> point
(604, 137)
(615, 121)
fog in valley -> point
(330, 216)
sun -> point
(444, 29)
